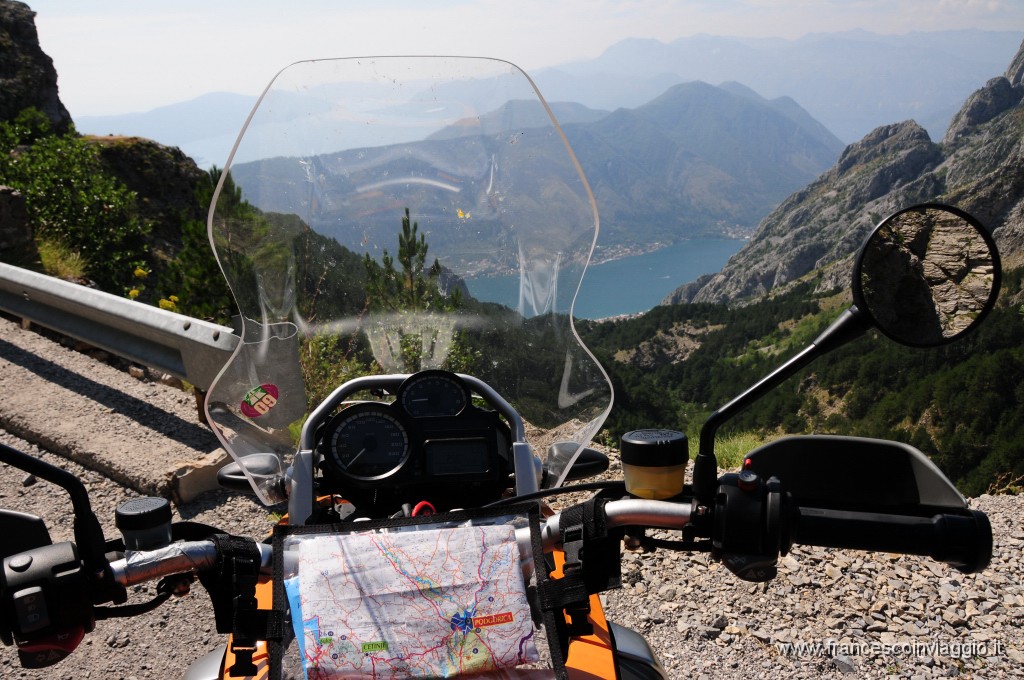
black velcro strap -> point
(232, 589)
(220, 581)
(561, 593)
(599, 546)
(262, 624)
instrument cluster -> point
(431, 437)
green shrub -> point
(71, 199)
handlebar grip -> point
(961, 540)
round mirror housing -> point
(927, 275)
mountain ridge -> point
(697, 160)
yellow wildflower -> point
(140, 273)
(167, 304)
(174, 299)
(133, 293)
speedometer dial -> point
(432, 394)
(366, 442)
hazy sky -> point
(119, 56)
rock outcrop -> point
(27, 75)
(997, 96)
(983, 168)
(165, 180)
(17, 245)
(1015, 74)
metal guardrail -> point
(188, 348)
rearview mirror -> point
(927, 275)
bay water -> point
(628, 285)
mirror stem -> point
(850, 325)
(88, 533)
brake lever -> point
(753, 568)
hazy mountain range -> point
(670, 156)
(851, 82)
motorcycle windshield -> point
(393, 214)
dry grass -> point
(60, 261)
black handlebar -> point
(961, 540)
(752, 524)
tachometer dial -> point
(367, 442)
(433, 393)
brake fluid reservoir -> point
(654, 462)
(145, 523)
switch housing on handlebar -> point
(49, 608)
(748, 531)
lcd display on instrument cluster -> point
(456, 456)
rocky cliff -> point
(977, 167)
(27, 75)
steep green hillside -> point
(126, 213)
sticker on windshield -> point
(259, 400)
